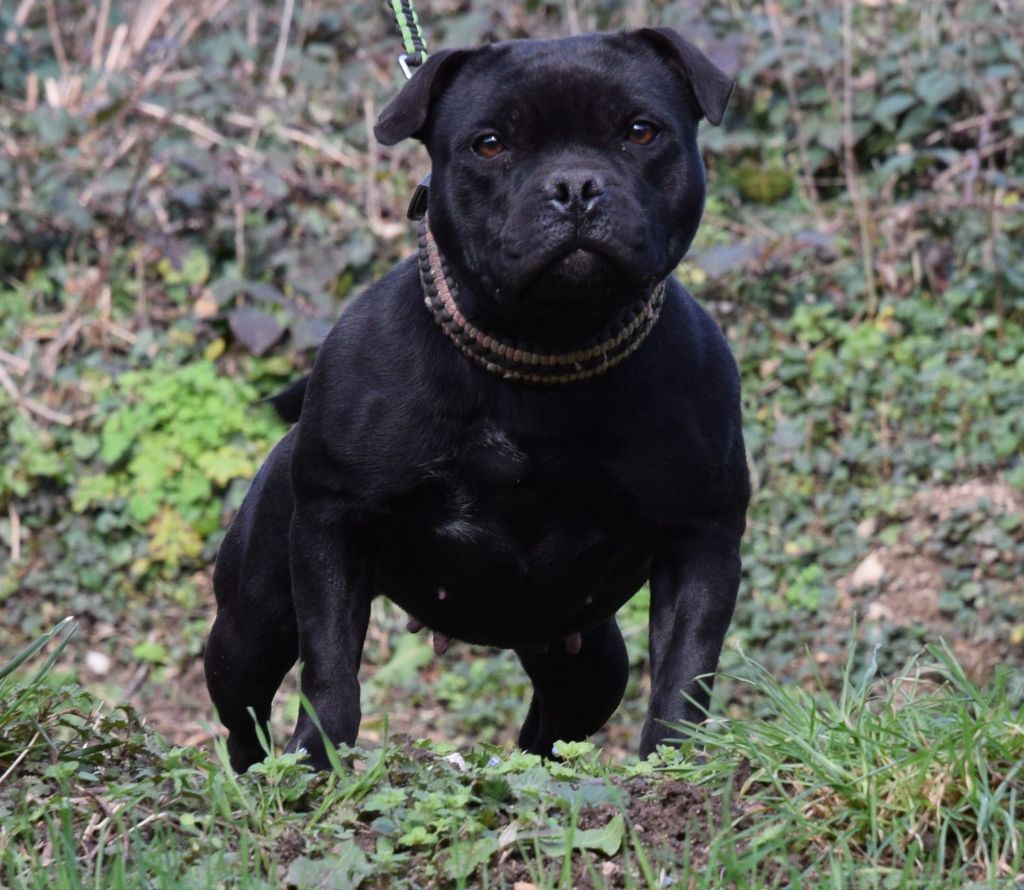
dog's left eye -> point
(642, 132)
(488, 146)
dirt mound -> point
(674, 820)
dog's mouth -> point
(583, 271)
(579, 264)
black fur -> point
(498, 512)
(288, 402)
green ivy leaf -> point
(891, 107)
(152, 653)
(346, 869)
(606, 840)
(936, 87)
(465, 858)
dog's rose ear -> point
(711, 86)
(405, 115)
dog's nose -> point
(574, 191)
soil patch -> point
(674, 822)
(945, 576)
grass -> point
(919, 775)
(912, 781)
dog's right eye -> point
(488, 146)
(642, 132)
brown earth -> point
(673, 820)
(900, 584)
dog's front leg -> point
(694, 580)
(332, 589)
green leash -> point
(415, 55)
(412, 37)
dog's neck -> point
(524, 362)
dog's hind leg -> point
(254, 641)
(574, 694)
(247, 657)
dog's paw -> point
(313, 750)
(242, 755)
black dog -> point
(559, 424)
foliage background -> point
(190, 191)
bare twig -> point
(789, 81)
(138, 677)
(971, 160)
(100, 35)
(23, 11)
(152, 817)
(15, 522)
(282, 44)
(63, 92)
(105, 305)
(58, 42)
(141, 165)
(31, 91)
(16, 362)
(11, 148)
(56, 346)
(850, 165)
(140, 283)
(252, 37)
(15, 394)
(752, 228)
(105, 810)
(814, 34)
(319, 145)
(241, 257)
(995, 223)
(58, 417)
(112, 62)
(252, 28)
(572, 15)
(934, 203)
(26, 405)
(145, 21)
(125, 146)
(274, 77)
(310, 140)
(186, 27)
(117, 43)
(986, 148)
(19, 758)
(968, 123)
(159, 211)
(373, 202)
(196, 127)
(372, 151)
(122, 333)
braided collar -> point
(519, 361)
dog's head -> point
(566, 176)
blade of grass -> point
(66, 627)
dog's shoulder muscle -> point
(369, 418)
(683, 397)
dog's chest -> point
(505, 493)
(490, 478)
(508, 540)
